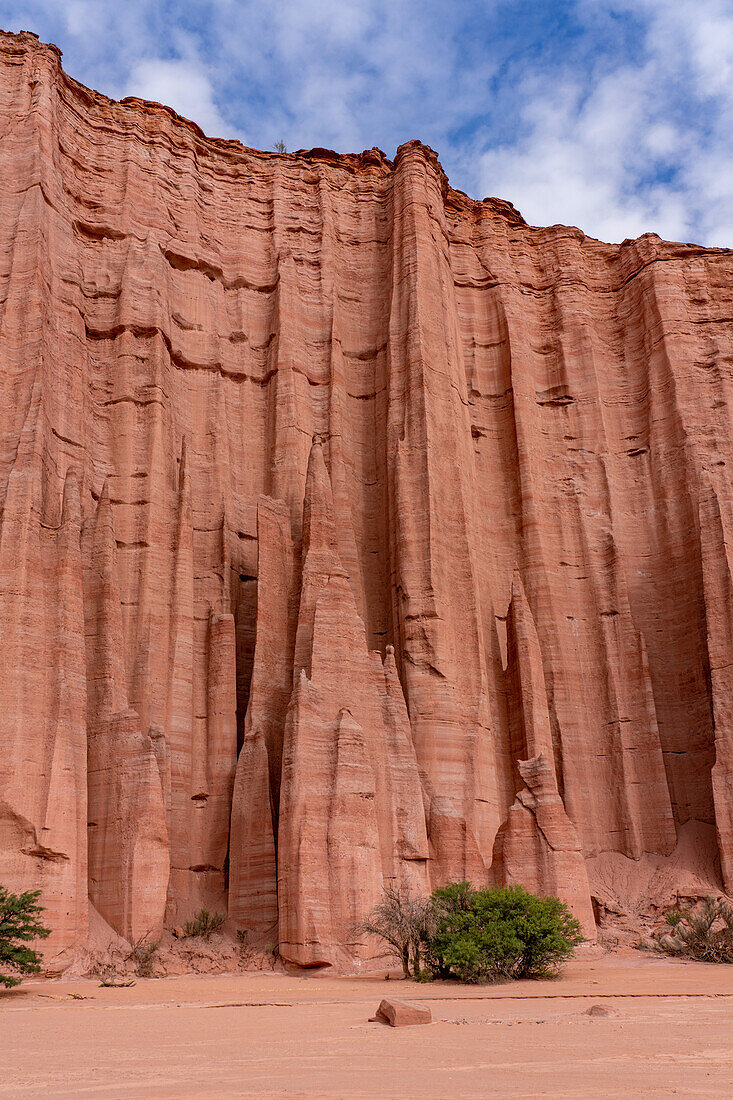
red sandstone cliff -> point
(353, 533)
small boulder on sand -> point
(402, 1014)
(601, 1010)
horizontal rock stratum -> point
(354, 533)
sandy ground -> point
(669, 1034)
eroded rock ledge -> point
(353, 532)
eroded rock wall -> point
(353, 532)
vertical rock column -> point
(128, 839)
(212, 809)
(186, 772)
(430, 458)
(42, 692)
(351, 815)
(538, 846)
(64, 893)
(719, 605)
(256, 799)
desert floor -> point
(668, 1033)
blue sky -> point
(614, 115)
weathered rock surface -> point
(402, 1013)
(353, 532)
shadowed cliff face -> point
(354, 533)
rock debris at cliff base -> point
(354, 533)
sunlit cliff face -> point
(354, 533)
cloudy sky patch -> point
(614, 115)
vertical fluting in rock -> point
(406, 858)
(252, 862)
(538, 846)
(719, 605)
(181, 318)
(211, 800)
(429, 451)
(530, 730)
(352, 837)
(350, 797)
(252, 858)
(64, 834)
(42, 688)
(128, 839)
(186, 767)
(221, 740)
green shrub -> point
(474, 935)
(204, 924)
(19, 924)
(705, 934)
(499, 934)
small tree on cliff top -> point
(19, 925)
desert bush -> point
(704, 934)
(474, 935)
(404, 923)
(204, 924)
(498, 934)
(246, 948)
(674, 915)
(19, 924)
(110, 979)
(253, 951)
(143, 955)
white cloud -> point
(581, 155)
(354, 73)
(666, 159)
(182, 85)
(84, 17)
